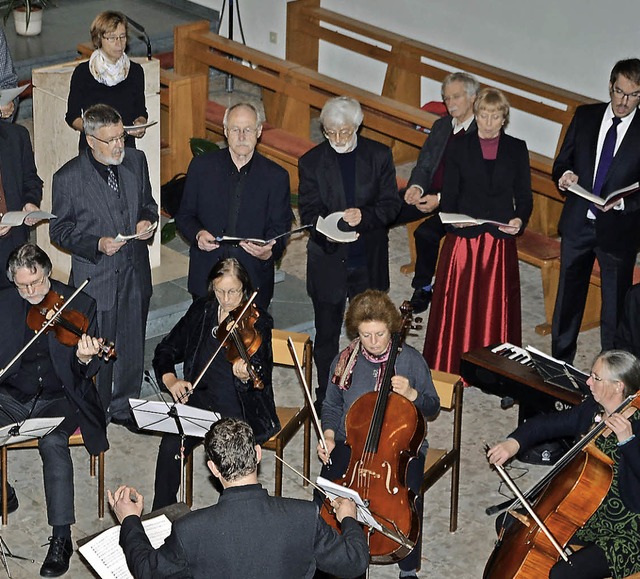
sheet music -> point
(152, 415)
(333, 490)
(106, 556)
(28, 430)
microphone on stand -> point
(141, 29)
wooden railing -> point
(408, 62)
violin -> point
(384, 431)
(567, 497)
(243, 340)
(68, 325)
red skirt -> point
(476, 299)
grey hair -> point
(471, 85)
(342, 110)
(98, 116)
(28, 256)
(231, 446)
(624, 367)
(248, 105)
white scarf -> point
(106, 72)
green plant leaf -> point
(201, 146)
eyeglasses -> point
(246, 132)
(597, 378)
(112, 141)
(33, 285)
(114, 39)
(630, 95)
(232, 293)
(342, 133)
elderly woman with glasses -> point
(355, 175)
(476, 298)
(225, 388)
(611, 536)
(108, 77)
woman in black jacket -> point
(225, 388)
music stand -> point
(557, 372)
(13, 434)
(174, 419)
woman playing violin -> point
(225, 388)
(611, 537)
(370, 321)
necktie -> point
(112, 180)
(606, 156)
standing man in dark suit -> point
(50, 380)
(422, 196)
(20, 188)
(248, 533)
(101, 193)
(356, 175)
(236, 192)
(601, 152)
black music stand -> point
(174, 419)
(557, 372)
(13, 434)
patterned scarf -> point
(106, 72)
(348, 359)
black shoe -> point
(420, 300)
(56, 562)
(12, 499)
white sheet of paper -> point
(135, 127)
(106, 556)
(328, 226)
(8, 94)
(152, 415)
(121, 237)
(16, 218)
(333, 490)
(29, 429)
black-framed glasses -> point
(23, 287)
(630, 95)
(113, 39)
(112, 141)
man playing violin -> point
(50, 380)
(226, 387)
(247, 534)
(611, 536)
(371, 320)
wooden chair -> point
(292, 418)
(438, 461)
(74, 440)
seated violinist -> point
(611, 536)
(371, 321)
(50, 379)
(247, 534)
(226, 387)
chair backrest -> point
(302, 347)
(445, 387)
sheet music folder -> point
(557, 372)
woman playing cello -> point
(611, 536)
(370, 321)
(225, 388)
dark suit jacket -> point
(265, 211)
(21, 185)
(628, 333)
(432, 151)
(321, 193)
(248, 534)
(85, 212)
(468, 188)
(615, 230)
(76, 378)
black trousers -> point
(427, 236)
(328, 322)
(577, 255)
(587, 563)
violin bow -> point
(229, 332)
(516, 491)
(307, 394)
(49, 322)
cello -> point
(384, 431)
(581, 480)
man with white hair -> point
(356, 175)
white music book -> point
(459, 218)
(128, 128)
(333, 491)
(610, 199)
(120, 237)
(328, 226)
(105, 555)
(16, 218)
(28, 430)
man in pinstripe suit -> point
(97, 195)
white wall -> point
(571, 44)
